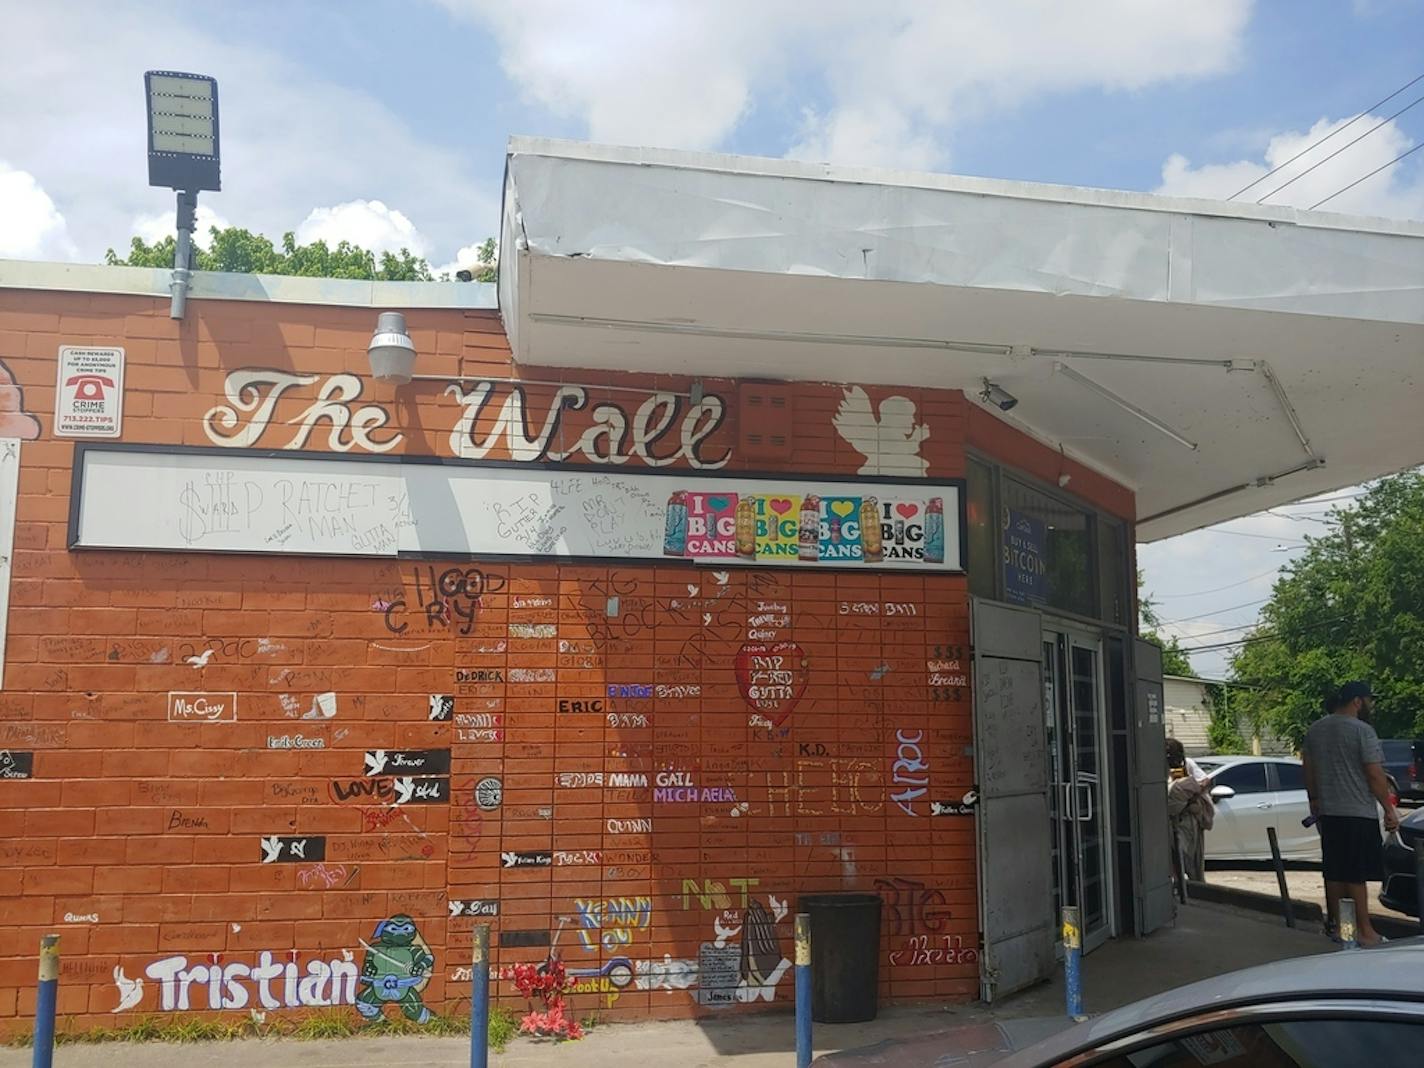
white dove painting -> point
(890, 440)
(130, 991)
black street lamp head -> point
(183, 150)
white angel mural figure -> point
(890, 442)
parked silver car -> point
(1337, 1010)
(1251, 794)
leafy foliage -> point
(488, 270)
(1174, 658)
(1223, 729)
(1350, 607)
(240, 251)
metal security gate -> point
(1153, 877)
(1011, 769)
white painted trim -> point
(9, 499)
(265, 288)
(989, 187)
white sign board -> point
(218, 500)
(89, 393)
(9, 497)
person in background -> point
(1344, 778)
(1190, 812)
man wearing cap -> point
(1344, 778)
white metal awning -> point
(1216, 358)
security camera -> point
(997, 396)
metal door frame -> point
(1096, 641)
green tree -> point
(488, 270)
(1223, 729)
(1350, 607)
(1174, 658)
(243, 252)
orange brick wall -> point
(141, 840)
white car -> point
(1252, 793)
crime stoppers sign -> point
(89, 395)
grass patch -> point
(324, 1024)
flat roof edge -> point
(585, 151)
(266, 288)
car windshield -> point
(1208, 765)
(1286, 1044)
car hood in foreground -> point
(977, 1045)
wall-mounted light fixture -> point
(998, 396)
(391, 351)
(183, 155)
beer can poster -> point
(777, 525)
(712, 525)
(832, 529)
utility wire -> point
(1218, 589)
(1372, 173)
(1249, 534)
(1327, 137)
(1342, 148)
(1261, 637)
(1218, 612)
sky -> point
(385, 124)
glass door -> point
(1077, 737)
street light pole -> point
(183, 253)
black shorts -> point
(1351, 849)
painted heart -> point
(718, 504)
(843, 508)
(780, 505)
(772, 678)
(907, 511)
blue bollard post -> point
(1347, 924)
(479, 1001)
(803, 990)
(1073, 962)
(45, 1002)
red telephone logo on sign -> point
(89, 387)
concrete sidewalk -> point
(1206, 941)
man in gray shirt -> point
(1344, 779)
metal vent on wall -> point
(764, 416)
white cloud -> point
(367, 223)
(897, 74)
(468, 256)
(161, 224)
(1391, 193)
(31, 227)
(291, 138)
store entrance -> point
(1076, 722)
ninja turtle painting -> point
(396, 968)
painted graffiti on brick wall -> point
(268, 982)
(395, 969)
(661, 430)
(612, 922)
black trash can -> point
(845, 956)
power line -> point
(1342, 148)
(1372, 173)
(1218, 612)
(1261, 637)
(1327, 137)
(1219, 589)
(1249, 534)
